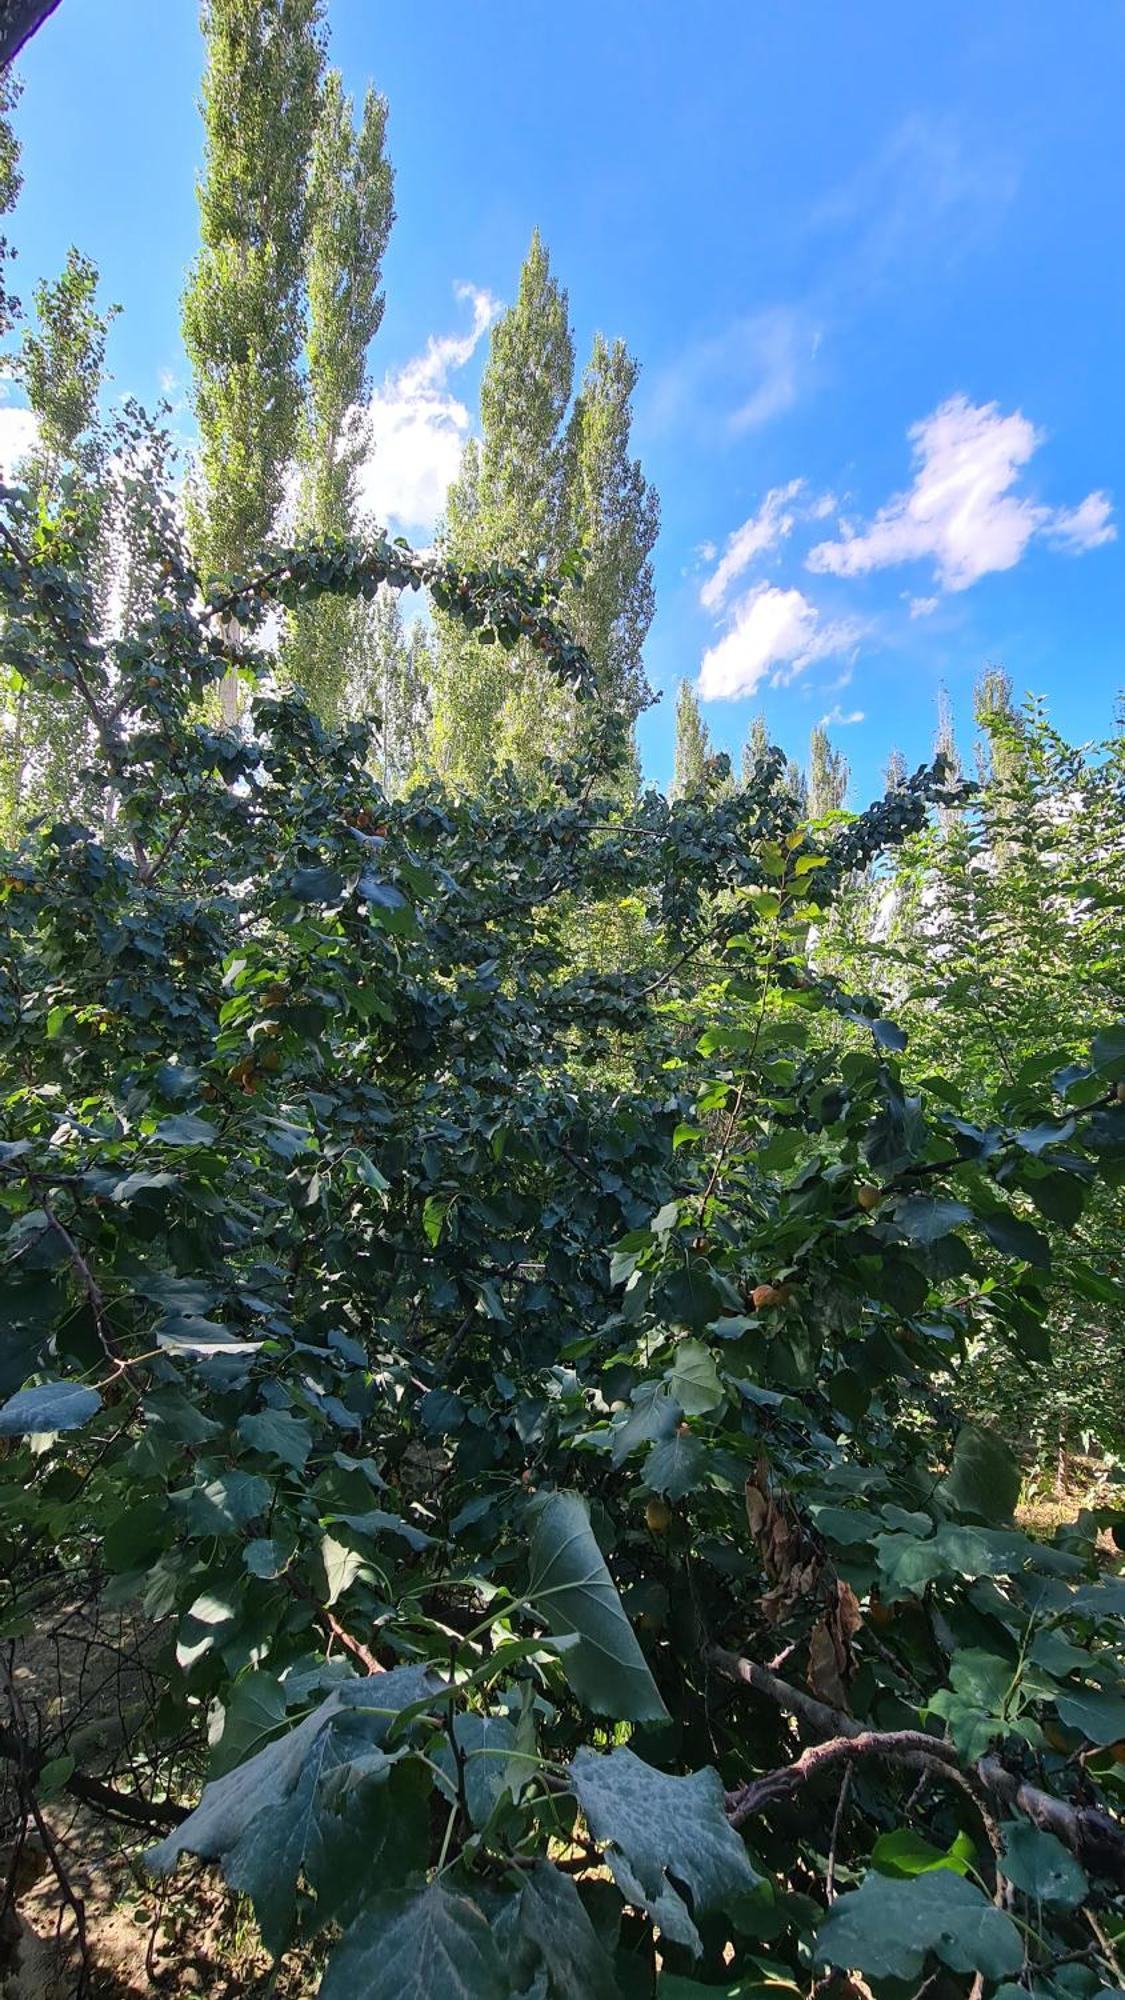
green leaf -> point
(223, 1505)
(51, 1407)
(1099, 1714)
(485, 1744)
(185, 1130)
(903, 1854)
(694, 1379)
(552, 1915)
(231, 1804)
(254, 1713)
(1059, 1196)
(924, 1219)
(984, 1478)
(317, 885)
(675, 1467)
(1108, 1051)
(655, 1415)
(656, 1827)
(1038, 1863)
(279, 1435)
(885, 1929)
(572, 1588)
(417, 1945)
(1014, 1238)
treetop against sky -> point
(862, 263)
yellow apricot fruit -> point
(657, 1516)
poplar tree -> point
(243, 310)
(614, 519)
(1000, 751)
(61, 366)
(894, 772)
(508, 505)
(693, 744)
(11, 180)
(827, 775)
(539, 486)
(755, 748)
(329, 645)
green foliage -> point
(472, 1423)
(243, 307)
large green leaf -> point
(1038, 1863)
(572, 1588)
(663, 1834)
(694, 1380)
(51, 1407)
(886, 1928)
(230, 1804)
(984, 1478)
(676, 1467)
(1099, 1714)
(552, 1916)
(926, 1218)
(418, 1945)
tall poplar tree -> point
(544, 480)
(827, 775)
(329, 647)
(614, 517)
(61, 366)
(508, 505)
(11, 180)
(755, 748)
(243, 310)
(894, 772)
(693, 743)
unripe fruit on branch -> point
(869, 1198)
(657, 1516)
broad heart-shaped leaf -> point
(886, 1928)
(654, 1415)
(984, 1478)
(573, 1589)
(185, 1129)
(231, 1803)
(675, 1467)
(1099, 1714)
(1014, 1238)
(552, 1915)
(1038, 1863)
(278, 1434)
(350, 1817)
(925, 1218)
(420, 1944)
(485, 1744)
(53, 1406)
(655, 1827)
(694, 1380)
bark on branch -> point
(1096, 1840)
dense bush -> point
(522, 1397)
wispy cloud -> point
(932, 187)
(738, 379)
(773, 521)
(773, 633)
(961, 512)
(418, 427)
(837, 719)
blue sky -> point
(868, 256)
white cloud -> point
(18, 432)
(736, 380)
(1086, 526)
(418, 427)
(922, 607)
(762, 531)
(836, 718)
(774, 632)
(961, 512)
